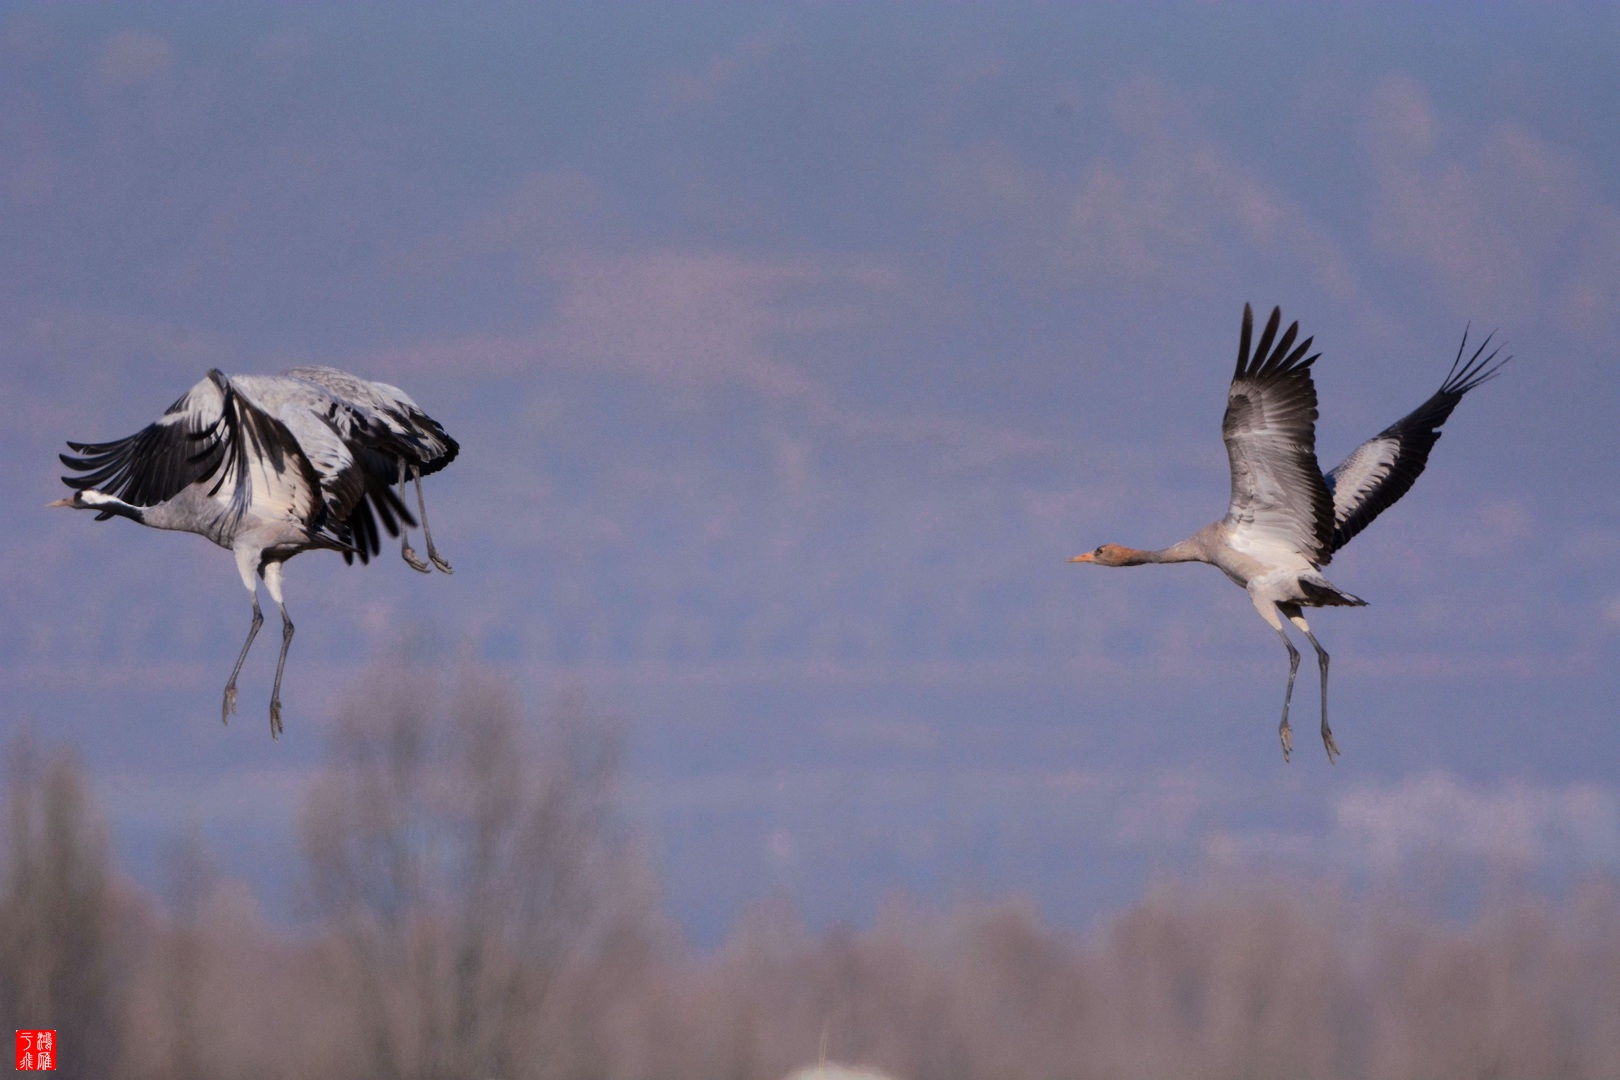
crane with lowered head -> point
(267, 466)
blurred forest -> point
(478, 909)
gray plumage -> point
(401, 438)
(1285, 518)
(268, 466)
(1270, 433)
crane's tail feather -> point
(1321, 593)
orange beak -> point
(1087, 557)
(59, 502)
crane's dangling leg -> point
(406, 552)
(1285, 732)
(272, 585)
(247, 560)
(427, 533)
(1268, 611)
(1298, 620)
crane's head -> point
(1111, 555)
(88, 499)
(108, 505)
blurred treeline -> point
(477, 910)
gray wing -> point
(322, 426)
(1382, 469)
(216, 436)
(384, 431)
(1278, 493)
(400, 429)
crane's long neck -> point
(1189, 550)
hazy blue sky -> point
(792, 349)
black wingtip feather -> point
(1300, 350)
(1262, 351)
(1271, 355)
(1478, 368)
(1276, 360)
(1243, 340)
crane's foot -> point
(227, 709)
(1286, 733)
(1332, 747)
(413, 560)
(275, 718)
(438, 560)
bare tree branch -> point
(57, 963)
(464, 863)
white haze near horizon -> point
(792, 350)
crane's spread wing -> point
(384, 431)
(321, 439)
(400, 429)
(388, 434)
(378, 500)
(213, 436)
(188, 444)
(1278, 493)
(1382, 469)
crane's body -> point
(1286, 517)
(267, 466)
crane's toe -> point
(275, 718)
(415, 562)
(226, 710)
(1332, 747)
(1286, 733)
(439, 560)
